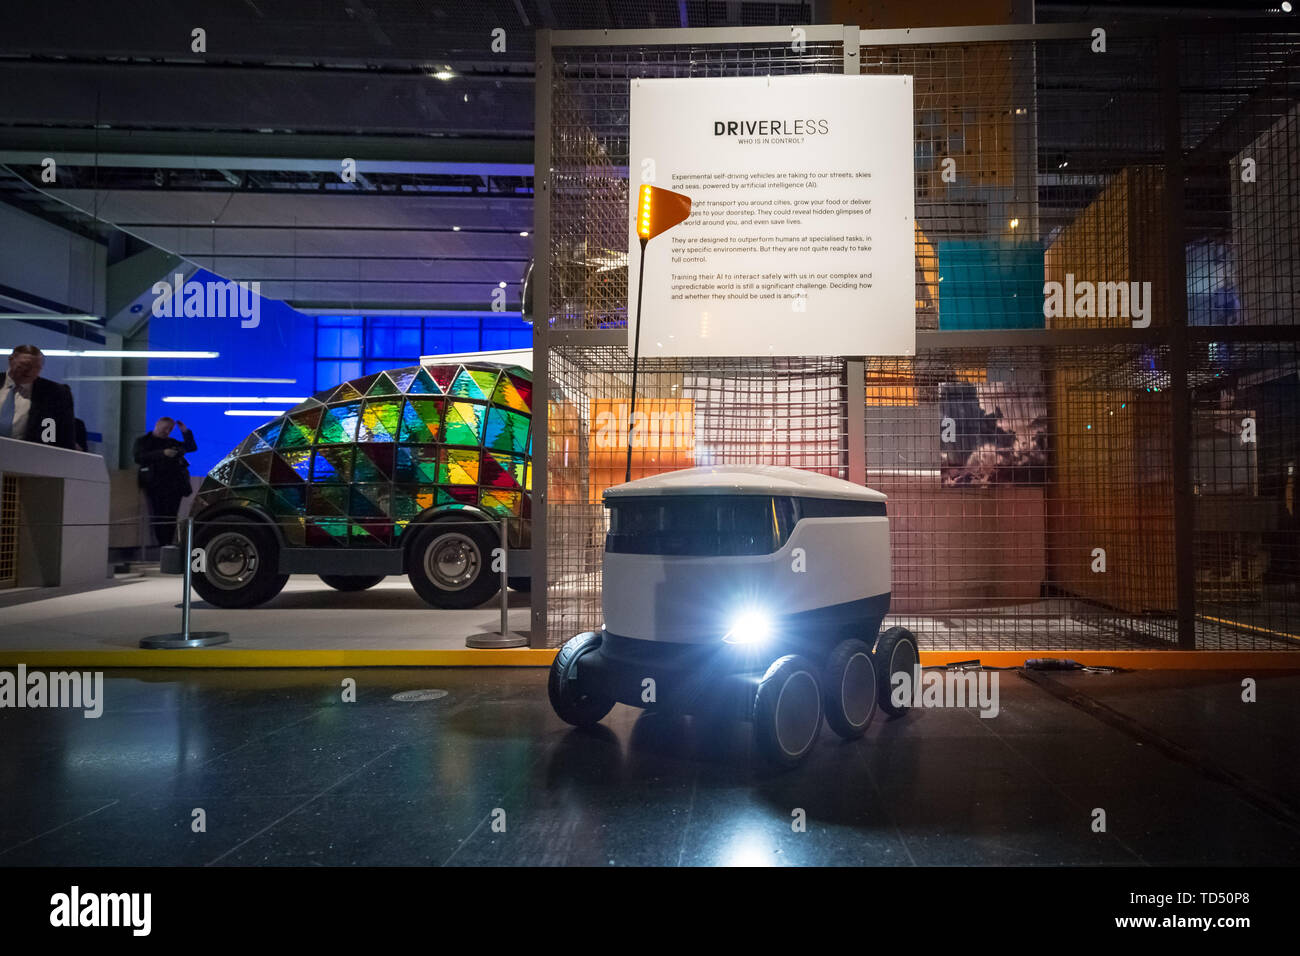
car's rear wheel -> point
(240, 560)
(352, 582)
(450, 564)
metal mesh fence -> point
(590, 90)
(1031, 487)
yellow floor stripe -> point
(1250, 627)
(528, 657)
(229, 657)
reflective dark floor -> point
(285, 772)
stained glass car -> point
(404, 471)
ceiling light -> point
(180, 378)
(254, 412)
(126, 353)
(35, 316)
(235, 399)
(455, 228)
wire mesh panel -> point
(590, 93)
(1025, 489)
(1246, 452)
(788, 412)
(1039, 494)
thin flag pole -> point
(636, 355)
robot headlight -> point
(749, 627)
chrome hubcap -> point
(232, 560)
(452, 562)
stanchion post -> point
(504, 638)
(505, 576)
(184, 638)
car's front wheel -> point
(240, 562)
(450, 564)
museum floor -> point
(287, 773)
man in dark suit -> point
(165, 474)
(34, 408)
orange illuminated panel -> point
(663, 439)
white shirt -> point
(22, 405)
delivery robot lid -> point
(744, 480)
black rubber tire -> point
(896, 650)
(783, 730)
(485, 582)
(522, 585)
(568, 702)
(352, 582)
(849, 689)
(259, 552)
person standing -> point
(32, 408)
(164, 474)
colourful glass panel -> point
(372, 533)
(500, 502)
(506, 431)
(524, 386)
(339, 424)
(416, 463)
(459, 467)
(421, 418)
(408, 501)
(457, 496)
(332, 464)
(326, 531)
(507, 394)
(343, 393)
(423, 384)
(260, 464)
(374, 462)
(463, 424)
(327, 500)
(300, 429)
(380, 420)
(223, 470)
(403, 377)
(293, 531)
(383, 386)
(298, 459)
(496, 472)
(268, 433)
(369, 501)
(442, 375)
(243, 477)
(287, 500)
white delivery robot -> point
(752, 589)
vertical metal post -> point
(636, 358)
(185, 601)
(855, 419)
(505, 576)
(541, 330)
(183, 638)
(1180, 398)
